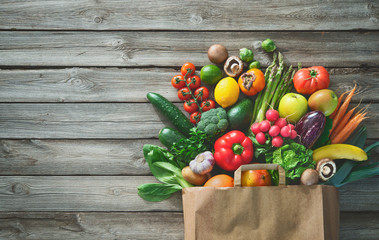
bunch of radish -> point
(274, 128)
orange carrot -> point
(342, 123)
(349, 128)
(342, 110)
(331, 116)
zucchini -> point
(168, 136)
(171, 112)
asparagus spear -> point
(287, 88)
(258, 100)
(282, 85)
(263, 106)
(270, 89)
(277, 80)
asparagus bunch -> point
(278, 83)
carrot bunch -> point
(344, 123)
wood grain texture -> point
(98, 120)
(73, 157)
(137, 225)
(125, 49)
(81, 157)
(132, 84)
(119, 193)
(189, 15)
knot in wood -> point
(98, 19)
(20, 189)
(196, 19)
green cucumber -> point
(171, 112)
(168, 136)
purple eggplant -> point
(310, 127)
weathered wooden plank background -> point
(74, 116)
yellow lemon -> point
(227, 92)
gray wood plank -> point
(81, 157)
(73, 157)
(121, 49)
(97, 120)
(79, 225)
(132, 84)
(119, 193)
(189, 15)
(137, 225)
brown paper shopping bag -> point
(272, 212)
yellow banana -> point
(339, 151)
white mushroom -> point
(326, 168)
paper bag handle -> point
(238, 172)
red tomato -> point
(190, 106)
(195, 117)
(184, 94)
(207, 105)
(201, 93)
(185, 68)
(178, 82)
(194, 82)
(309, 80)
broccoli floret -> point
(222, 114)
(201, 126)
(222, 124)
(211, 129)
(213, 122)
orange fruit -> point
(221, 180)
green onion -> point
(364, 172)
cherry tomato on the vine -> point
(207, 105)
(184, 94)
(178, 82)
(194, 82)
(195, 117)
(202, 93)
(190, 106)
(185, 68)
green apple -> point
(324, 100)
(293, 106)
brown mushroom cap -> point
(217, 53)
(309, 177)
(233, 66)
(326, 168)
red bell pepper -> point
(232, 150)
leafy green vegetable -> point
(363, 172)
(372, 146)
(155, 192)
(176, 173)
(294, 158)
(187, 149)
(163, 167)
(154, 154)
(358, 139)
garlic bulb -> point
(203, 163)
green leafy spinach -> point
(165, 169)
